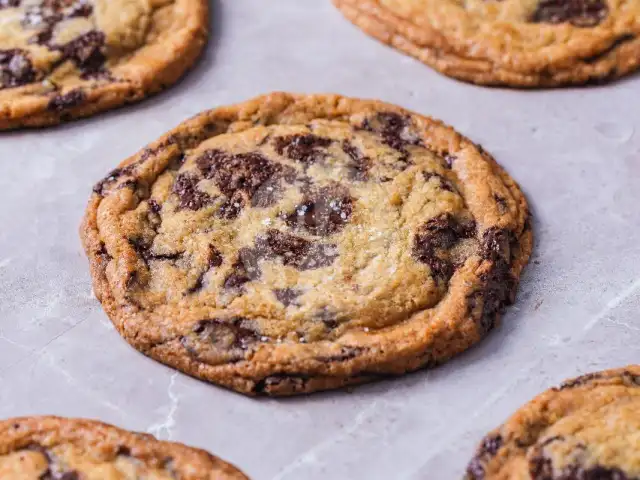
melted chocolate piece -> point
(189, 196)
(53, 471)
(503, 206)
(271, 383)
(580, 13)
(81, 9)
(323, 212)
(435, 237)
(360, 164)
(111, 178)
(499, 285)
(102, 253)
(214, 260)
(304, 148)
(328, 317)
(445, 183)
(154, 206)
(86, 51)
(395, 131)
(244, 177)
(488, 449)
(71, 99)
(449, 159)
(221, 341)
(244, 270)
(144, 251)
(287, 296)
(295, 251)
(16, 68)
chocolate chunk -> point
(111, 178)
(71, 99)
(221, 341)
(488, 449)
(102, 253)
(499, 285)
(144, 251)
(123, 450)
(496, 244)
(189, 196)
(16, 68)
(295, 251)
(304, 148)
(287, 296)
(449, 159)
(86, 51)
(359, 165)
(154, 206)
(244, 177)
(395, 130)
(274, 383)
(244, 270)
(80, 8)
(435, 237)
(53, 471)
(580, 13)
(214, 260)
(445, 183)
(323, 212)
(327, 316)
(503, 205)
(231, 208)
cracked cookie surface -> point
(519, 43)
(64, 59)
(297, 243)
(586, 429)
(54, 448)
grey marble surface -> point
(576, 153)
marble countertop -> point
(576, 153)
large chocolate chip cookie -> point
(586, 429)
(523, 43)
(63, 59)
(298, 243)
(53, 448)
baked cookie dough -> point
(586, 429)
(54, 448)
(518, 43)
(64, 59)
(295, 243)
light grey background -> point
(576, 153)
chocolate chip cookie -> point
(297, 243)
(63, 59)
(53, 448)
(520, 43)
(586, 429)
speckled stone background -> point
(576, 153)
